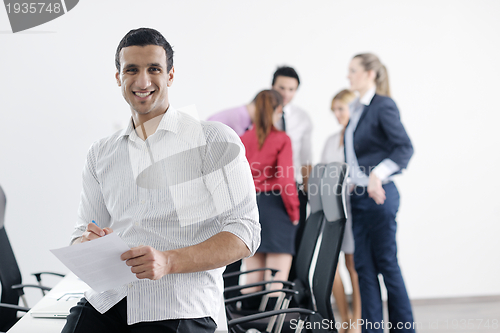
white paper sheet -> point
(98, 262)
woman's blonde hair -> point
(344, 96)
(265, 103)
(371, 62)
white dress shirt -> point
(187, 182)
(333, 150)
(356, 176)
(299, 129)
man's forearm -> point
(217, 251)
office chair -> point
(304, 253)
(10, 277)
(333, 188)
(332, 193)
(299, 288)
(310, 235)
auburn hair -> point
(265, 103)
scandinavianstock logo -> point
(24, 14)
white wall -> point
(58, 95)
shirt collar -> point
(169, 122)
(368, 96)
(127, 130)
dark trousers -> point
(374, 228)
(83, 318)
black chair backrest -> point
(310, 235)
(332, 196)
(9, 271)
(3, 203)
(313, 187)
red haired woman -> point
(269, 153)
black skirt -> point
(277, 230)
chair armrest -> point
(257, 284)
(303, 312)
(21, 286)
(259, 293)
(38, 275)
(273, 272)
(15, 307)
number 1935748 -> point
(33, 7)
(471, 324)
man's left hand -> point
(147, 262)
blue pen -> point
(98, 227)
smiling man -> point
(178, 191)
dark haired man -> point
(180, 194)
(297, 124)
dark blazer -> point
(380, 135)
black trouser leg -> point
(300, 229)
(83, 318)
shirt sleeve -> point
(402, 148)
(385, 168)
(228, 177)
(306, 145)
(92, 206)
(287, 181)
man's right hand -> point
(93, 232)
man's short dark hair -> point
(285, 71)
(144, 37)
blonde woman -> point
(333, 151)
(377, 148)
